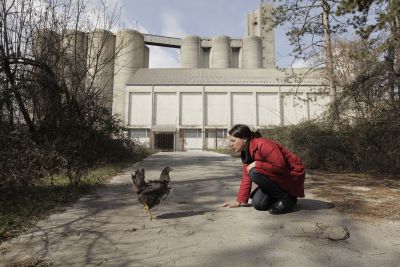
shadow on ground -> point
(312, 204)
(181, 214)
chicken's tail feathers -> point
(164, 176)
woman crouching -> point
(277, 171)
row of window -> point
(188, 133)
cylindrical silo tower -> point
(74, 48)
(252, 52)
(46, 48)
(47, 53)
(130, 53)
(100, 62)
(221, 52)
(191, 52)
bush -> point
(71, 148)
(367, 146)
(318, 146)
(376, 144)
(22, 162)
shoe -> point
(283, 205)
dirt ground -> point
(339, 223)
(365, 197)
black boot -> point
(283, 205)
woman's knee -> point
(259, 206)
(260, 200)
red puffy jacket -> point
(279, 164)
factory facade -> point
(222, 81)
(193, 108)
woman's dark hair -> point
(243, 131)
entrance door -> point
(164, 141)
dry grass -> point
(363, 196)
(19, 210)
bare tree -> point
(43, 48)
(56, 76)
(313, 26)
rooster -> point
(152, 192)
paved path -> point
(109, 228)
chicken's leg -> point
(147, 211)
(150, 215)
(146, 208)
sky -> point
(205, 18)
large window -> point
(192, 133)
(138, 133)
(219, 133)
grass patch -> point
(20, 209)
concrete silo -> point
(191, 52)
(130, 53)
(100, 63)
(251, 52)
(260, 23)
(221, 52)
(47, 53)
(74, 48)
(46, 48)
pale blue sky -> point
(179, 18)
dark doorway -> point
(164, 141)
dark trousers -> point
(267, 193)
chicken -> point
(152, 192)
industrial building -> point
(222, 81)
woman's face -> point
(237, 144)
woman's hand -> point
(251, 166)
(231, 204)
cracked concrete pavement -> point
(109, 228)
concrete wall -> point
(146, 55)
(191, 109)
(221, 106)
(140, 109)
(242, 108)
(166, 110)
(217, 109)
(206, 108)
(235, 57)
(268, 112)
(205, 58)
